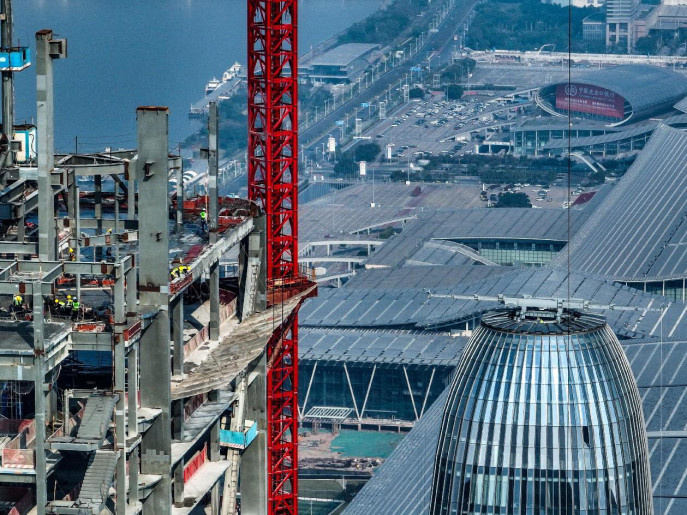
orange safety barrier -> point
(18, 458)
(25, 431)
(227, 311)
(132, 331)
(178, 284)
(196, 341)
(89, 327)
(195, 463)
(226, 296)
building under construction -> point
(137, 372)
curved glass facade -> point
(543, 416)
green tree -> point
(416, 93)
(345, 166)
(366, 151)
(454, 91)
(516, 199)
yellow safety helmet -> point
(71, 249)
(69, 296)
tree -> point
(416, 93)
(454, 91)
(517, 199)
(367, 151)
(345, 166)
(459, 70)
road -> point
(436, 42)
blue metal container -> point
(20, 58)
(236, 439)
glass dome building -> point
(543, 417)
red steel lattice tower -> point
(273, 183)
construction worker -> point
(69, 301)
(72, 254)
(17, 303)
(174, 273)
(75, 309)
(203, 220)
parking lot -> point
(430, 125)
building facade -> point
(620, 18)
(543, 416)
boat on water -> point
(229, 74)
(212, 86)
(233, 71)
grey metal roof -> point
(503, 223)
(640, 232)
(557, 123)
(646, 88)
(681, 105)
(379, 347)
(631, 131)
(348, 210)
(412, 309)
(342, 55)
(418, 277)
(402, 483)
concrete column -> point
(180, 192)
(132, 414)
(131, 294)
(47, 49)
(98, 211)
(179, 484)
(215, 505)
(254, 459)
(76, 233)
(155, 377)
(133, 477)
(39, 397)
(7, 80)
(213, 214)
(178, 335)
(213, 444)
(131, 194)
(65, 410)
(178, 419)
(214, 301)
(120, 389)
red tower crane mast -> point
(273, 183)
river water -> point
(127, 53)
